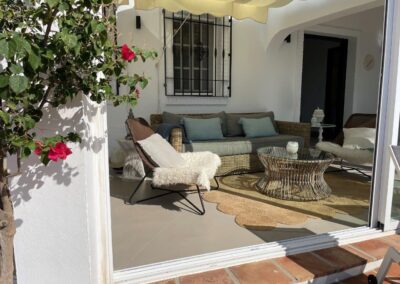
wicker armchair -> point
(238, 164)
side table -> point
(321, 128)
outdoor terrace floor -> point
(304, 267)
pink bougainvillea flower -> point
(137, 90)
(60, 151)
(127, 53)
(63, 150)
(52, 155)
(38, 149)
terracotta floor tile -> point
(312, 264)
(376, 248)
(354, 251)
(394, 237)
(360, 279)
(342, 259)
(393, 240)
(262, 272)
(394, 273)
(216, 276)
(297, 271)
(170, 281)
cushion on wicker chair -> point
(161, 152)
(356, 156)
(359, 138)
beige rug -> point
(237, 196)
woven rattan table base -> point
(294, 179)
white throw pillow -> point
(359, 138)
(161, 152)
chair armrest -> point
(295, 128)
(176, 139)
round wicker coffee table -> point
(297, 177)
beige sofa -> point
(239, 154)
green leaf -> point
(3, 81)
(74, 137)
(31, 145)
(4, 48)
(45, 160)
(20, 46)
(52, 3)
(5, 117)
(25, 152)
(18, 83)
(25, 45)
(16, 69)
(63, 7)
(49, 54)
(34, 60)
(17, 143)
(29, 123)
(144, 83)
(11, 105)
(3, 93)
(70, 40)
(12, 48)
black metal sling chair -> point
(140, 130)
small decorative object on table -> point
(292, 147)
(318, 117)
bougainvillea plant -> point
(51, 51)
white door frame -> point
(388, 120)
(353, 57)
(381, 199)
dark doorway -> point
(324, 80)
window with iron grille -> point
(198, 52)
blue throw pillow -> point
(258, 127)
(203, 128)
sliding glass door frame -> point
(381, 193)
(388, 122)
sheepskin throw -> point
(199, 168)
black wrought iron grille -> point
(197, 55)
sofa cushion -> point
(199, 129)
(173, 118)
(258, 127)
(235, 129)
(241, 145)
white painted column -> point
(63, 210)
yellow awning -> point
(239, 9)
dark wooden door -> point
(335, 87)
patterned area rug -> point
(238, 196)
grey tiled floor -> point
(164, 229)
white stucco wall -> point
(62, 210)
(263, 78)
(369, 25)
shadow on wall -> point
(78, 116)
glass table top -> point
(304, 154)
(323, 125)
